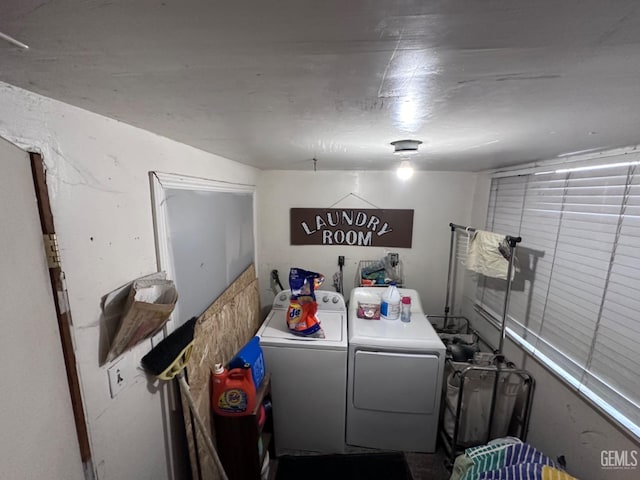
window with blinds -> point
(576, 305)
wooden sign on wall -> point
(363, 227)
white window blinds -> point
(575, 302)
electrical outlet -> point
(118, 377)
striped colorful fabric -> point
(484, 449)
(550, 473)
(524, 453)
(490, 459)
(484, 463)
(526, 471)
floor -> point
(423, 466)
(427, 466)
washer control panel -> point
(327, 300)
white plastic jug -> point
(390, 306)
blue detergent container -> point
(250, 356)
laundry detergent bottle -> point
(390, 305)
(234, 393)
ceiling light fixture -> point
(405, 170)
(405, 147)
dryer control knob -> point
(283, 297)
(325, 299)
(335, 300)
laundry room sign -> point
(358, 227)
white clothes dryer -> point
(394, 378)
(308, 377)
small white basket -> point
(393, 272)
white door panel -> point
(38, 438)
(395, 382)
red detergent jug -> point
(234, 393)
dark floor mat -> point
(377, 466)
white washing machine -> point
(394, 378)
(308, 377)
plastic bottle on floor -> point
(390, 306)
(233, 391)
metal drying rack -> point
(498, 371)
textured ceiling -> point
(273, 84)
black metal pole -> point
(505, 309)
(451, 256)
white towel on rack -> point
(485, 254)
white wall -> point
(437, 198)
(97, 169)
(562, 423)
